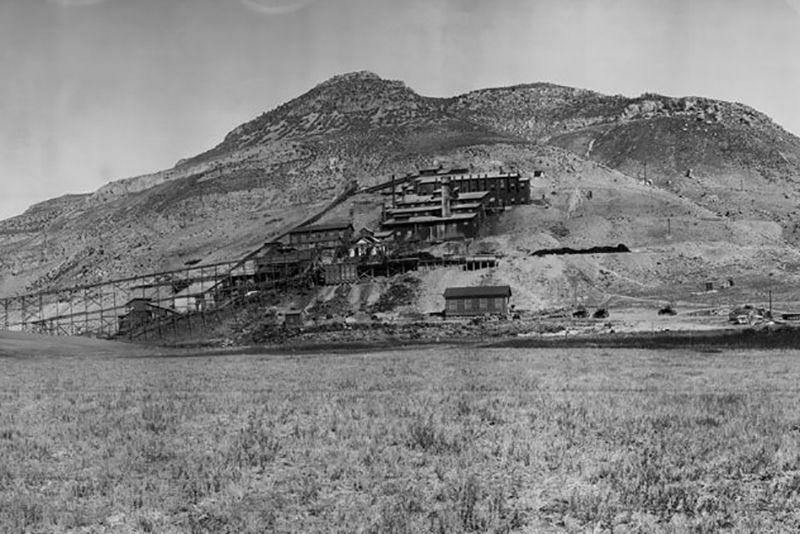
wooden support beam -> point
(115, 327)
(24, 310)
(86, 310)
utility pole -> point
(771, 280)
(574, 294)
(770, 304)
(43, 252)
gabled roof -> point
(430, 219)
(477, 291)
(414, 199)
(138, 299)
(472, 195)
(433, 207)
(477, 176)
(321, 228)
(427, 171)
(436, 198)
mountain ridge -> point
(267, 173)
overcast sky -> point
(98, 90)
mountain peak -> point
(361, 79)
(354, 101)
(359, 75)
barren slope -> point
(725, 156)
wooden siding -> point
(341, 273)
(441, 230)
(476, 306)
(505, 189)
(324, 238)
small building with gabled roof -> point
(321, 235)
(477, 300)
(139, 312)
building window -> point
(482, 303)
(451, 306)
(467, 304)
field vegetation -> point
(445, 439)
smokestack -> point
(445, 196)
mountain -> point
(725, 156)
(264, 177)
(693, 159)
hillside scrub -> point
(402, 291)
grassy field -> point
(418, 440)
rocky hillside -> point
(266, 176)
(725, 160)
(347, 108)
(725, 156)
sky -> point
(98, 90)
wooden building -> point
(367, 246)
(386, 236)
(281, 263)
(141, 311)
(321, 236)
(292, 318)
(480, 300)
(435, 209)
(434, 228)
(505, 188)
(345, 272)
(439, 217)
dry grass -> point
(423, 440)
